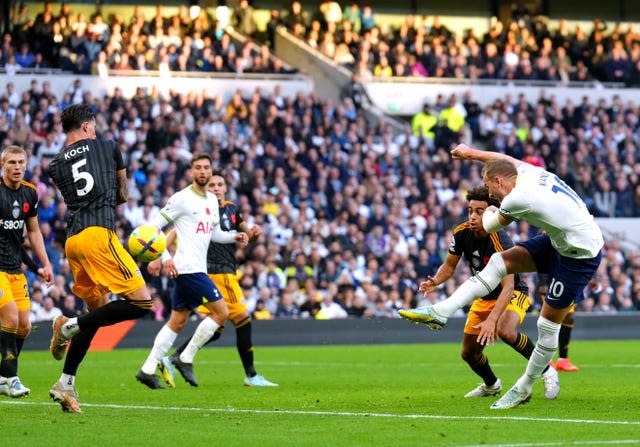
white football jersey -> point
(545, 201)
(195, 218)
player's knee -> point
(223, 314)
(470, 355)
(219, 312)
(241, 320)
(176, 325)
(548, 332)
(499, 262)
(507, 334)
(568, 319)
(24, 330)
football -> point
(147, 243)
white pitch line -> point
(338, 413)
(547, 444)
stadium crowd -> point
(76, 43)
(526, 48)
(355, 215)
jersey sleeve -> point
(173, 209)
(456, 246)
(515, 205)
(33, 201)
(117, 155)
(238, 219)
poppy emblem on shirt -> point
(233, 219)
(25, 207)
(208, 211)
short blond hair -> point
(12, 149)
(499, 166)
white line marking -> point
(545, 444)
(337, 413)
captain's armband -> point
(491, 221)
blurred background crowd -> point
(355, 213)
(526, 48)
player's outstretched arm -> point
(445, 271)
(464, 152)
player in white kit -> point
(194, 213)
(569, 250)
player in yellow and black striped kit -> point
(18, 211)
(92, 178)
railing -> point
(210, 75)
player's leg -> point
(564, 363)
(205, 330)
(161, 345)
(10, 384)
(514, 260)
(244, 345)
(20, 293)
(221, 281)
(24, 329)
(239, 316)
(508, 331)
(201, 288)
(216, 335)
(473, 352)
(20, 290)
(166, 364)
(64, 390)
(510, 322)
(100, 264)
(567, 280)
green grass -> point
(375, 395)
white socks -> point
(161, 345)
(476, 286)
(203, 333)
(67, 380)
(544, 351)
(70, 328)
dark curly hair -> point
(481, 193)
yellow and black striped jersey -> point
(16, 206)
(221, 258)
(477, 252)
(85, 174)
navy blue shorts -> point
(567, 276)
(193, 290)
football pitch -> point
(373, 395)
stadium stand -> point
(356, 205)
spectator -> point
(48, 312)
(423, 123)
(329, 309)
(261, 312)
(242, 18)
(287, 309)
